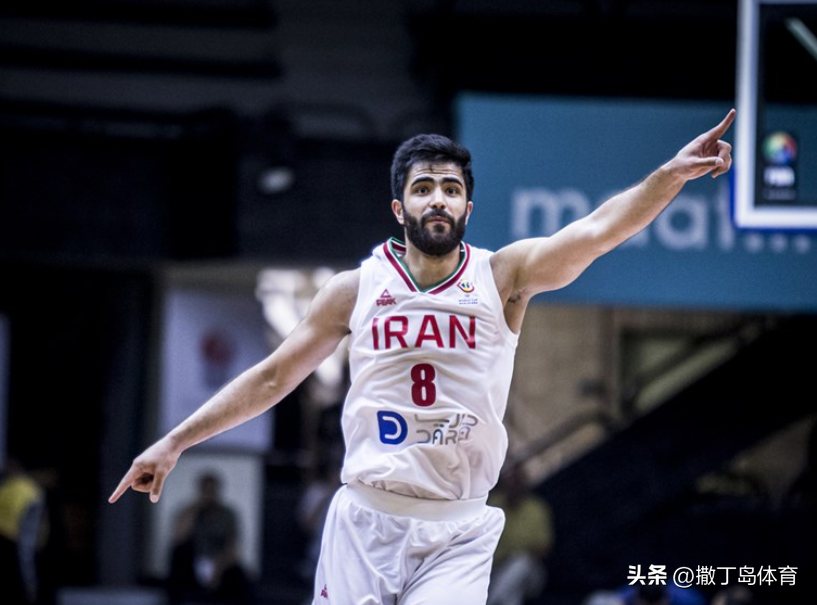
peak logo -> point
(386, 299)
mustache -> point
(432, 214)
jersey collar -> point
(394, 250)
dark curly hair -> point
(431, 149)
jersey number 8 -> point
(423, 389)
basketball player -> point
(433, 325)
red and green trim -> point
(394, 251)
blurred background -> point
(178, 177)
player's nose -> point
(438, 199)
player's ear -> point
(397, 209)
(469, 207)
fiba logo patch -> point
(393, 427)
(780, 167)
(469, 289)
(466, 285)
(780, 149)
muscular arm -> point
(530, 266)
(255, 390)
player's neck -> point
(428, 270)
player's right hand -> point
(148, 472)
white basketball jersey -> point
(430, 375)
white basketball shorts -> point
(381, 548)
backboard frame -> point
(747, 212)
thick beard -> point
(431, 241)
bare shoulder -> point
(506, 264)
(337, 297)
(511, 254)
(344, 286)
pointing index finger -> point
(718, 131)
(121, 488)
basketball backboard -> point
(775, 151)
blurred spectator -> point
(733, 595)
(320, 488)
(658, 594)
(205, 564)
(519, 572)
(312, 508)
(23, 531)
(803, 491)
(603, 597)
(651, 594)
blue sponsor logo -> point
(393, 427)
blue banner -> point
(540, 163)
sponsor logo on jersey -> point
(444, 430)
(434, 430)
(386, 299)
(393, 427)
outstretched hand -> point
(148, 472)
(707, 153)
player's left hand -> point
(707, 153)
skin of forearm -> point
(247, 396)
(265, 384)
(627, 213)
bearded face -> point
(435, 233)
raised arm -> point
(255, 390)
(530, 266)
